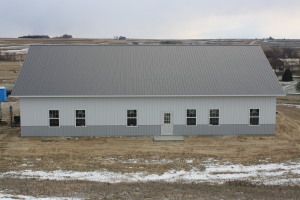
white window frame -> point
(254, 116)
(53, 118)
(131, 118)
(186, 122)
(80, 118)
(214, 117)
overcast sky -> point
(151, 19)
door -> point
(167, 123)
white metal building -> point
(125, 90)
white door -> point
(167, 123)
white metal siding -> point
(112, 111)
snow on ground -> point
(10, 47)
(21, 51)
(269, 174)
(6, 196)
(290, 105)
(290, 87)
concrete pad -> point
(168, 138)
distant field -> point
(19, 43)
(25, 41)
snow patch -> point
(189, 161)
(269, 174)
(21, 51)
(291, 105)
(6, 196)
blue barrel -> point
(3, 95)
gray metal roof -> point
(127, 70)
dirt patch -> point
(150, 190)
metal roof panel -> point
(129, 70)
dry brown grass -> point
(9, 72)
(293, 99)
(149, 190)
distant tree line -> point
(65, 36)
(170, 42)
(274, 54)
(120, 38)
(46, 36)
(35, 36)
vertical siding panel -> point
(111, 112)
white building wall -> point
(112, 111)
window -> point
(80, 117)
(131, 118)
(167, 118)
(214, 117)
(54, 118)
(254, 117)
(191, 117)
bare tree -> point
(289, 53)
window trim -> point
(53, 118)
(80, 118)
(190, 117)
(126, 118)
(209, 117)
(254, 116)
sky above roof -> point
(151, 19)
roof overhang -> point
(145, 96)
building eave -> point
(142, 96)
